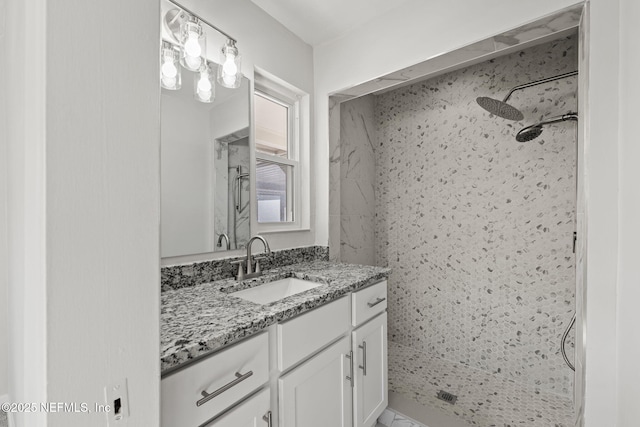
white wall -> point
(225, 118)
(629, 177)
(420, 30)
(83, 152)
(4, 283)
(25, 136)
(268, 45)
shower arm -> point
(562, 118)
(539, 82)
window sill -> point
(271, 230)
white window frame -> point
(298, 147)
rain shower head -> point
(529, 133)
(509, 112)
(532, 132)
(500, 108)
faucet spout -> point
(267, 250)
(224, 236)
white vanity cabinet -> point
(253, 412)
(323, 368)
(370, 395)
(202, 391)
(318, 392)
(369, 346)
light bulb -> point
(169, 69)
(169, 82)
(204, 95)
(204, 85)
(229, 79)
(193, 62)
(192, 46)
(230, 67)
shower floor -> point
(484, 399)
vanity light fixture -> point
(185, 29)
(229, 74)
(205, 83)
(170, 76)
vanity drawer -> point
(230, 375)
(368, 302)
(305, 334)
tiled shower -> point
(478, 229)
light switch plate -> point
(117, 397)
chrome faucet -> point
(224, 236)
(250, 271)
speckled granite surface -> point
(196, 320)
(185, 275)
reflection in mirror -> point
(204, 170)
(231, 198)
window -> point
(279, 148)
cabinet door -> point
(249, 413)
(318, 392)
(370, 391)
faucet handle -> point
(257, 259)
(240, 263)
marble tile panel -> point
(357, 134)
(334, 238)
(334, 155)
(390, 418)
(357, 239)
(357, 197)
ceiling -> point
(319, 21)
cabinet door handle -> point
(267, 417)
(208, 396)
(364, 357)
(350, 357)
(376, 302)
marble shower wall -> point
(239, 220)
(357, 181)
(476, 226)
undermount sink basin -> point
(274, 291)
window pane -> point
(272, 126)
(274, 184)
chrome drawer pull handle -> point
(378, 301)
(267, 418)
(208, 396)
(350, 357)
(364, 357)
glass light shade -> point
(194, 44)
(229, 71)
(204, 86)
(170, 75)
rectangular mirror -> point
(204, 170)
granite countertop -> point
(199, 319)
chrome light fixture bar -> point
(202, 20)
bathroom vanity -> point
(315, 358)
